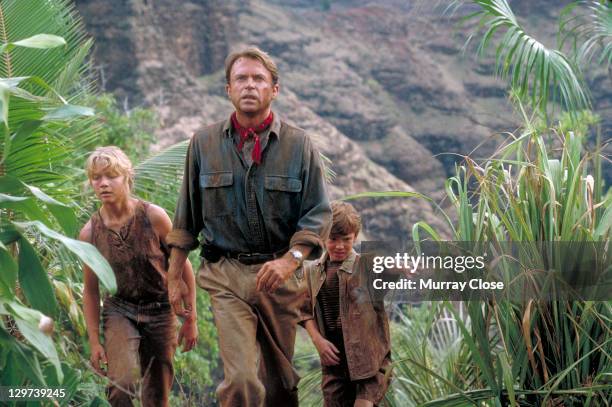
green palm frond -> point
(42, 66)
(535, 72)
(589, 21)
(158, 178)
(21, 19)
(44, 127)
(330, 174)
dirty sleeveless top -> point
(136, 255)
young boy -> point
(349, 328)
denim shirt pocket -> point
(217, 194)
(282, 196)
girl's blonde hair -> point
(112, 159)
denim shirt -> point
(262, 208)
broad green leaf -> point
(67, 112)
(13, 376)
(8, 235)
(27, 360)
(27, 207)
(34, 280)
(41, 41)
(8, 274)
(24, 313)
(64, 214)
(4, 198)
(72, 379)
(10, 185)
(85, 251)
(27, 321)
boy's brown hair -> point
(346, 220)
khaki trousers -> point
(256, 333)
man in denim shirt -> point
(254, 195)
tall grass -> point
(542, 186)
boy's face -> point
(339, 246)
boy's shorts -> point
(340, 391)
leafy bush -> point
(43, 80)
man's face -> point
(339, 246)
(250, 89)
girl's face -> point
(339, 246)
(109, 185)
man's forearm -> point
(177, 263)
(189, 279)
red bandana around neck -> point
(248, 132)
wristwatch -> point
(297, 255)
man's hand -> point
(188, 334)
(328, 353)
(274, 273)
(176, 285)
(98, 355)
(176, 294)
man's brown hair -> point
(252, 53)
(346, 220)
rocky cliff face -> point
(381, 86)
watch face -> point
(297, 255)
